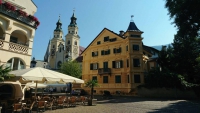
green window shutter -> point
(113, 64)
(109, 51)
(97, 53)
(102, 52)
(120, 49)
(114, 50)
(92, 53)
(91, 66)
(97, 65)
(121, 64)
(127, 63)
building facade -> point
(117, 61)
(17, 30)
(60, 50)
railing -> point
(1, 43)
(18, 48)
(15, 15)
(104, 71)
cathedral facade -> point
(60, 50)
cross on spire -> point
(132, 17)
(73, 10)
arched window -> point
(59, 64)
(68, 42)
(60, 49)
(15, 64)
(75, 43)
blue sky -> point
(94, 15)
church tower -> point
(72, 40)
(57, 47)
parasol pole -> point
(36, 89)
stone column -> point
(12, 64)
(7, 37)
(19, 64)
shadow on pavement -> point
(180, 107)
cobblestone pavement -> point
(135, 105)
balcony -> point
(104, 71)
(18, 48)
(16, 16)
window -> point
(59, 64)
(135, 35)
(106, 38)
(113, 39)
(136, 47)
(128, 80)
(105, 79)
(60, 49)
(127, 48)
(68, 42)
(136, 62)
(93, 66)
(53, 46)
(136, 78)
(105, 65)
(94, 78)
(117, 64)
(127, 63)
(75, 43)
(95, 53)
(105, 52)
(69, 31)
(13, 39)
(99, 42)
(117, 50)
(118, 79)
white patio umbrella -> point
(38, 74)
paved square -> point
(135, 105)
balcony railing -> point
(104, 71)
(18, 48)
(16, 16)
(1, 43)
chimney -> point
(121, 32)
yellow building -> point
(17, 30)
(117, 61)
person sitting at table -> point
(51, 90)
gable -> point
(104, 37)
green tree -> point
(4, 73)
(186, 45)
(91, 84)
(71, 68)
(186, 16)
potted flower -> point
(21, 13)
(9, 6)
(91, 84)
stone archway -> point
(19, 37)
(1, 33)
(15, 63)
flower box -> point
(9, 6)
